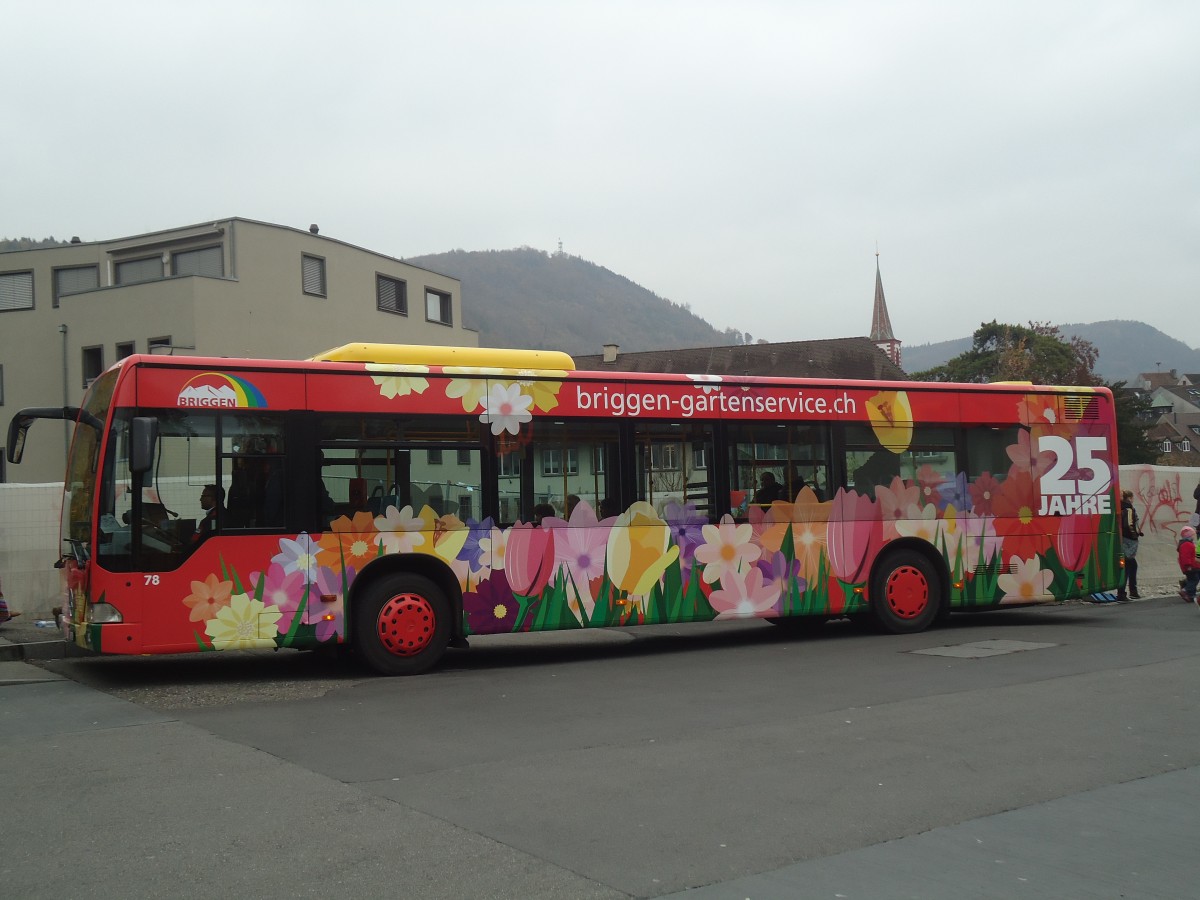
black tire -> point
(401, 624)
(906, 593)
(799, 624)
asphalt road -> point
(1048, 752)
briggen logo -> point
(212, 389)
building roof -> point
(854, 357)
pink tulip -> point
(854, 537)
(1074, 540)
(529, 559)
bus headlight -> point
(104, 614)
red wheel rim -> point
(406, 624)
(907, 592)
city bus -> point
(398, 500)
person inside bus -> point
(769, 490)
(211, 499)
(609, 509)
(542, 511)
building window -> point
(74, 280)
(466, 508)
(1166, 446)
(437, 307)
(560, 461)
(1185, 445)
(126, 348)
(160, 345)
(391, 295)
(508, 465)
(312, 274)
(93, 364)
(207, 261)
(435, 457)
(134, 271)
(16, 291)
(464, 457)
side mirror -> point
(143, 440)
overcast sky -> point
(1034, 159)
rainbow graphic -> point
(216, 390)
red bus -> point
(399, 500)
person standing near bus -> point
(1187, 563)
(1130, 532)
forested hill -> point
(1125, 348)
(529, 298)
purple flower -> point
(471, 551)
(491, 608)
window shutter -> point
(312, 269)
(16, 291)
(72, 281)
(208, 262)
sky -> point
(1034, 160)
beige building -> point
(235, 288)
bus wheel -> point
(905, 596)
(402, 625)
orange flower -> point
(351, 542)
(808, 518)
(208, 597)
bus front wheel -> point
(402, 625)
(905, 593)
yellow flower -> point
(891, 418)
(639, 549)
(245, 624)
(399, 381)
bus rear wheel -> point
(402, 625)
(905, 593)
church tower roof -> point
(881, 323)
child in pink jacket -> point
(1187, 563)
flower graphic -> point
(478, 543)
(1024, 458)
(282, 589)
(399, 381)
(1014, 505)
(930, 482)
(727, 547)
(207, 598)
(328, 615)
(1028, 582)
(854, 536)
(891, 419)
(639, 549)
(543, 393)
(979, 539)
(506, 408)
(707, 383)
(529, 559)
(922, 524)
(744, 595)
(686, 525)
(299, 555)
(897, 501)
(1074, 540)
(491, 609)
(982, 490)
(399, 530)
(580, 548)
(348, 541)
(470, 390)
(245, 624)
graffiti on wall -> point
(1164, 499)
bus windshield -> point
(81, 475)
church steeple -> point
(881, 322)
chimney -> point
(610, 352)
